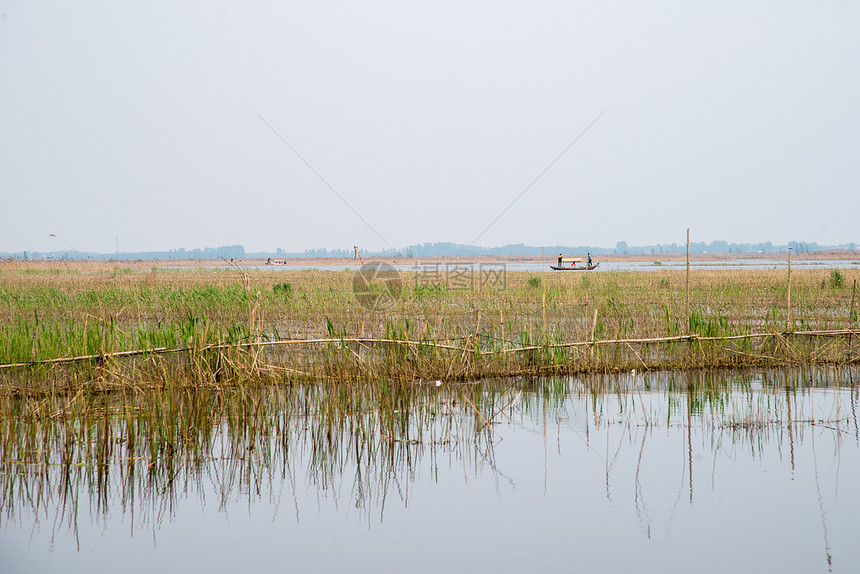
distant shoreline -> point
(146, 264)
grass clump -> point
(433, 290)
(837, 279)
(284, 289)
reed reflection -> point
(145, 452)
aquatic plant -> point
(837, 278)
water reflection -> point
(620, 462)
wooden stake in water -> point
(688, 280)
(543, 304)
(502, 325)
(543, 298)
(852, 319)
(788, 315)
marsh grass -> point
(236, 325)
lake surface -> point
(644, 472)
(537, 266)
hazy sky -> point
(138, 121)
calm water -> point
(537, 266)
(656, 472)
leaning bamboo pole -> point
(593, 343)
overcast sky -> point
(154, 125)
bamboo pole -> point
(788, 315)
(543, 298)
(431, 344)
(852, 319)
(543, 310)
(688, 280)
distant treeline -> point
(223, 252)
(621, 248)
(231, 252)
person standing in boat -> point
(559, 259)
(589, 259)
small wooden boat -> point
(573, 264)
(575, 268)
